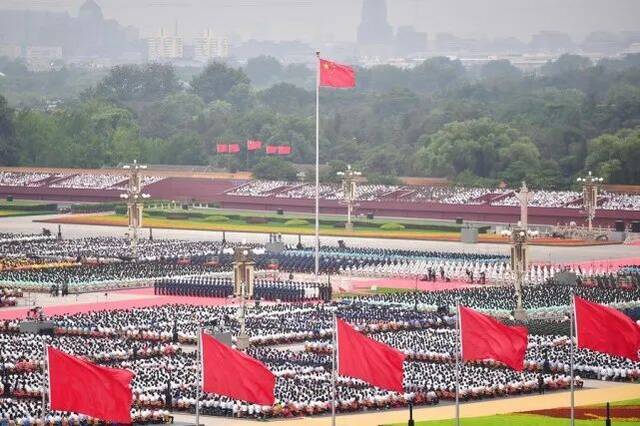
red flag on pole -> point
(366, 359)
(234, 148)
(604, 329)
(484, 337)
(284, 150)
(78, 385)
(254, 145)
(336, 75)
(231, 373)
(222, 148)
(271, 149)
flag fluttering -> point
(82, 387)
(336, 75)
(222, 148)
(234, 148)
(228, 372)
(484, 337)
(284, 150)
(254, 145)
(366, 359)
(607, 330)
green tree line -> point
(478, 126)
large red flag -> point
(222, 148)
(234, 148)
(369, 360)
(78, 385)
(604, 329)
(336, 75)
(228, 372)
(253, 145)
(484, 337)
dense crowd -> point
(433, 194)
(71, 181)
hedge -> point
(96, 208)
(29, 207)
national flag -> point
(484, 337)
(254, 145)
(271, 150)
(228, 372)
(284, 150)
(222, 148)
(80, 386)
(366, 359)
(234, 148)
(604, 329)
(336, 75)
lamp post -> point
(133, 197)
(349, 178)
(590, 186)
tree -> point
(138, 82)
(216, 81)
(263, 70)
(274, 168)
(437, 74)
(286, 98)
(8, 152)
(615, 157)
(499, 71)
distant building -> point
(375, 35)
(409, 41)
(87, 36)
(551, 42)
(10, 51)
(209, 47)
(42, 58)
(165, 47)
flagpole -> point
(199, 392)
(458, 356)
(317, 206)
(333, 370)
(45, 383)
(572, 318)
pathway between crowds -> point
(441, 412)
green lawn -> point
(14, 213)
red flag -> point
(271, 149)
(78, 385)
(484, 337)
(254, 145)
(284, 150)
(231, 373)
(604, 329)
(234, 148)
(222, 148)
(336, 75)
(366, 359)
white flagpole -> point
(317, 211)
(572, 318)
(458, 356)
(334, 372)
(45, 383)
(200, 381)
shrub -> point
(178, 216)
(217, 219)
(392, 226)
(296, 222)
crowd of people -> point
(101, 181)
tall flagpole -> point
(45, 383)
(199, 392)
(317, 212)
(458, 356)
(572, 318)
(334, 372)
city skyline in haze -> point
(326, 21)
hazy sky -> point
(327, 20)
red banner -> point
(234, 148)
(271, 149)
(284, 150)
(222, 148)
(254, 145)
(336, 75)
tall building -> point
(209, 46)
(165, 47)
(374, 28)
(409, 41)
